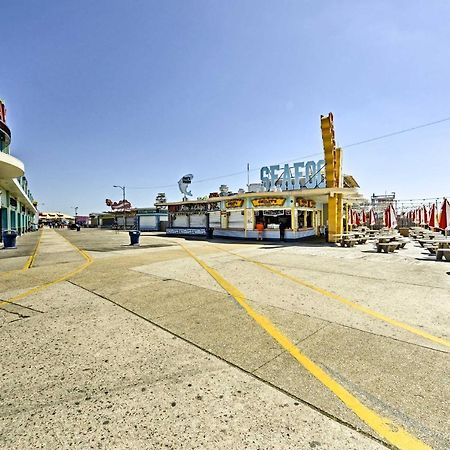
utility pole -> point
(123, 203)
(248, 177)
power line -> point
(395, 133)
(354, 144)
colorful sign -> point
(306, 203)
(236, 203)
(309, 175)
(121, 204)
(184, 183)
(268, 201)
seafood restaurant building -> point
(307, 197)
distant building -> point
(381, 202)
(142, 219)
(18, 208)
(382, 199)
(55, 218)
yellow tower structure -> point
(333, 176)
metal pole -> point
(124, 216)
(248, 177)
(123, 204)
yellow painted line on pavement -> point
(65, 277)
(383, 426)
(83, 253)
(363, 309)
(30, 260)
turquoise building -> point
(17, 207)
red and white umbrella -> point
(363, 217)
(350, 216)
(444, 218)
(390, 218)
(420, 216)
(356, 219)
(372, 220)
(432, 222)
(424, 215)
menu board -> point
(268, 201)
(236, 203)
(306, 203)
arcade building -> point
(310, 198)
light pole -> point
(76, 212)
(123, 204)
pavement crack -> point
(329, 322)
(20, 306)
(345, 274)
(285, 351)
(236, 366)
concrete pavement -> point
(207, 338)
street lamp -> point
(123, 204)
(76, 212)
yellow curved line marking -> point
(383, 426)
(363, 309)
(31, 258)
(65, 277)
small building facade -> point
(142, 219)
(17, 206)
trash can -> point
(209, 233)
(9, 239)
(78, 228)
(134, 237)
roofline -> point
(350, 192)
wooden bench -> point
(443, 253)
(387, 247)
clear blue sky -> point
(140, 92)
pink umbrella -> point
(432, 220)
(390, 219)
(444, 219)
(372, 220)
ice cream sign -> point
(301, 175)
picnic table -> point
(387, 247)
(348, 240)
(439, 242)
(443, 243)
(443, 253)
(385, 238)
(390, 243)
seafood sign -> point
(121, 204)
(184, 183)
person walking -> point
(282, 228)
(260, 229)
